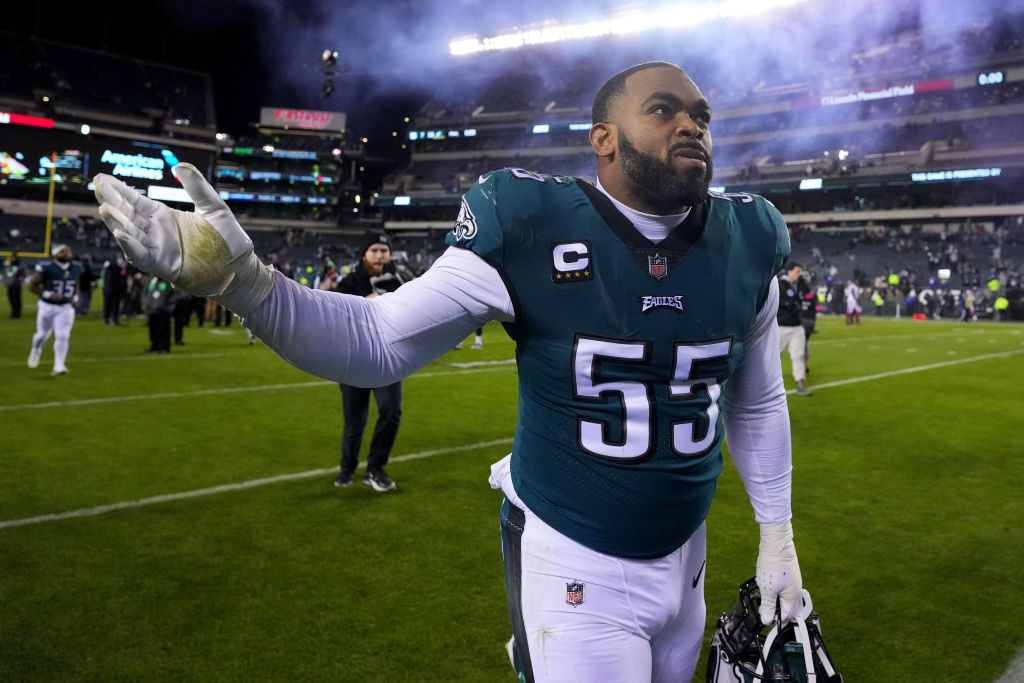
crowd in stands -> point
(900, 262)
(89, 79)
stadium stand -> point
(295, 191)
(909, 146)
(901, 155)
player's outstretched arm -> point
(203, 252)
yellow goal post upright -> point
(49, 218)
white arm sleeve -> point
(378, 341)
(757, 419)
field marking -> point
(907, 371)
(411, 456)
(482, 363)
(1014, 670)
(238, 486)
(886, 337)
(223, 390)
(122, 359)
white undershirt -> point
(653, 227)
(375, 342)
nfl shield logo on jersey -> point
(574, 593)
(657, 266)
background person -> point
(792, 337)
(14, 276)
(159, 300)
(853, 308)
(56, 284)
(115, 287)
(375, 275)
(86, 282)
(478, 340)
(808, 314)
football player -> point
(853, 308)
(56, 284)
(643, 311)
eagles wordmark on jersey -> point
(651, 333)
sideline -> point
(238, 486)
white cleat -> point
(33, 358)
(62, 370)
(477, 345)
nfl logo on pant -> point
(574, 593)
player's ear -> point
(602, 139)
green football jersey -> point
(57, 279)
(623, 347)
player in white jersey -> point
(620, 599)
(852, 303)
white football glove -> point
(204, 252)
(778, 572)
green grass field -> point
(907, 507)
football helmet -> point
(791, 651)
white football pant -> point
(587, 616)
(57, 319)
(792, 338)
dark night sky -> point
(240, 43)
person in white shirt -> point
(852, 303)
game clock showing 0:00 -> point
(990, 78)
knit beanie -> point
(372, 237)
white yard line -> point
(238, 486)
(919, 368)
(226, 390)
(412, 456)
(126, 359)
(1014, 670)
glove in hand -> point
(778, 572)
(204, 252)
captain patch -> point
(570, 262)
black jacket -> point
(789, 303)
(360, 283)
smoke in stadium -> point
(730, 47)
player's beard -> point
(660, 182)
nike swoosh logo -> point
(696, 579)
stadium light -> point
(673, 16)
